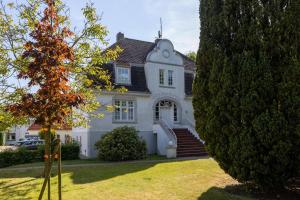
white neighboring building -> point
(15, 134)
(20, 132)
(158, 102)
(64, 132)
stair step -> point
(188, 145)
(188, 142)
(192, 154)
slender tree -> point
(56, 64)
(247, 89)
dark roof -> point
(138, 78)
(188, 79)
(136, 51)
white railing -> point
(168, 129)
(192, 129)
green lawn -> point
(168, 180)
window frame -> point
(125, 111)
(161, 77)
(170, 78)
(121, 81)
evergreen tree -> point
(247, 88)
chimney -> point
(120, 36)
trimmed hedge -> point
(121, 144)
(23, 155)
(68, 151)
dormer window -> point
(123, 75)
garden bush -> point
(121, 144)
(68, 151)
(19, 156)
(23, 155)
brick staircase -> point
(188, 145)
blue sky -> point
(139, 19)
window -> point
(124, 110)
(123, 75)
(175, 113)
(157, 111)
(170, 77)
(161, 77)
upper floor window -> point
(170, 77)
(124, 111)
(161, 76)
(166, 78)
(123, 75)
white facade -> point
(165, 78)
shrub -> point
(23, 155)
(68, 151)
(19, 156)
(1, 138)
(121, 144)
(246, 93)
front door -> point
(166, 115)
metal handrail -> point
(168, 129)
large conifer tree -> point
(247, 88)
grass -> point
(85, 161)
(168, 180)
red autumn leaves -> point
(50, 59)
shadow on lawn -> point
(15, 190)
(240, 192)
(107, 171)
(86, 173)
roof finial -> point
(161, 30)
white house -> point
(21, 132)
(65, 132)
(158, 102)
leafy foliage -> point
(38, 45)
(192, 55)
(1, 138)
(121, 144)
(68, 151)
(22, 155)
(247, 90)
(43, 131)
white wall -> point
(144, 119)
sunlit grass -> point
(175, 180)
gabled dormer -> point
(136, 66)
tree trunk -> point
(59, 167)
(47, 168)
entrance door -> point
(166, 115)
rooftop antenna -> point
(161, 30)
